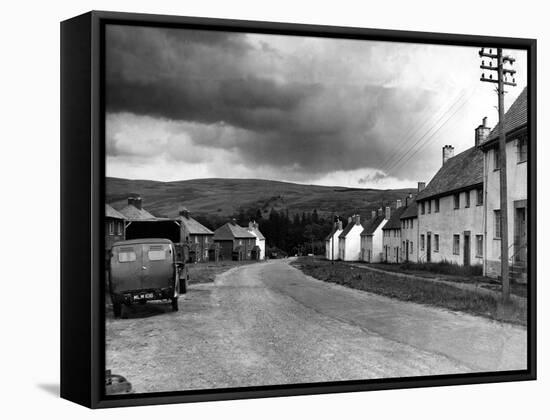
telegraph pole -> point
(501, 81)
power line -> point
(421, 138)
(427, 141)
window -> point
(196, 239)
(479, 194)
(422, 208)
(456, 244)
(467, 195)
(111, 227)
(412, 223)
(436, 205)
(479, 245)
(119, 227)
(422, 242)
(496, 154)
(411, 246)
(126, 254)
(436, 243)
(429, 206)
(156, 254)
(206, 239)
(456, 198)
(497, 224)
(522, 149)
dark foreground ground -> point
(268, 323)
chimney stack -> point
(421, 186)
(339, 225)
(398, 204)
(184, 212)
(349, 219)
(234, 221)
(448, 152)
(388, 213)
(357, 219)
(373, 214)
(407, 199)
(135, 201)
(380, 211)
(482, 132)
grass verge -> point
(413, 290)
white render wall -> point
(411, 235)
(448, 222)
(375, 244)
(517, 190)
(391, 242)
(328, 245)
(350, 246)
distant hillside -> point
(225, 197)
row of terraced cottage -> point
(229, 242)
(456, 217)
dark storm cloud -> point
(217, 78)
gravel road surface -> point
(269, 324)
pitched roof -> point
(194, 227)
(256, 232)
(372, 225)
(410, 211)
(112, 213)
(395, 219)
(514, 118)
(463, 170)
(230, 231)
(332, 232)
(348, 229)
(131, 212)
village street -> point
(268, 323)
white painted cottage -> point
(331, 242)
(349, 241)
(372, 245)
(254, 229)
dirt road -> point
(268, 323)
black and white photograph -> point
(287, 209)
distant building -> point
(135, 211)
(331, 242)
(235, 242)
(391, 235)
(114, 226)
(450, 210)
(516, 166)
(254, 228)
(349, 240)
(197, 236)
(409, 228)
(372, 236)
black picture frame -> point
(82, 208)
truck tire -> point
(175, 304)
(117, 310)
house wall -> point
(226, 249)
(373, 245)
(328, 246)
(448, 222)
(261, 245)
(114, 231)
(391, 245)
(350, 246)
(517, 192)
(409, 235)
(201, 244)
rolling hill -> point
(225, 197)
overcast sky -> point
(185, 104)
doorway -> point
(466, 248)
(429, 247)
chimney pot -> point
(448, 152)
(482, 132)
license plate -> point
(143, 296)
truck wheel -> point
(117, 310)
(175, 304)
